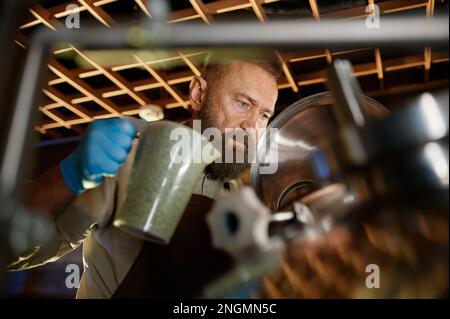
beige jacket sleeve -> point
(92, 209)
(71, 227)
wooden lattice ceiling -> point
(84, 86)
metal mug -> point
(169, 161)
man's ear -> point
(197, 92)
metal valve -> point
(239, 223)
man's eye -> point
(243, 104)
(265, 117)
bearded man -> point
(240, 95)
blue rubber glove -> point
(100, 153)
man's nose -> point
(251, 124)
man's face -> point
(242, 99)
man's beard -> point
(224, 170)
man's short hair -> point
(216, 63)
